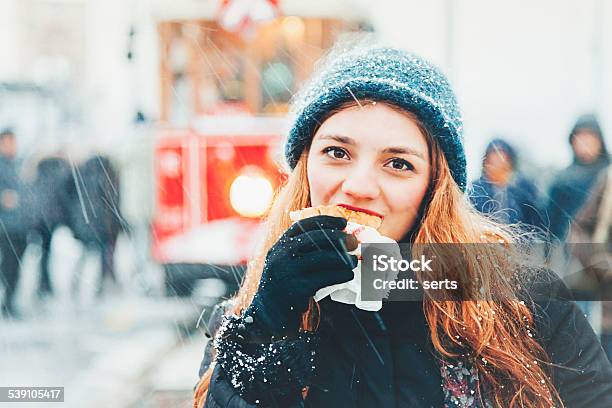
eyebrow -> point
(393, 150)
(338, 138)
(404, 150)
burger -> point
(351, 214)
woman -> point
(503, 192)
(380, 129)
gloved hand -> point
(311, 254)
(221, 394)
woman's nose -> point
(361, 184)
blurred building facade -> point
(522, 69)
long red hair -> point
(495, 336)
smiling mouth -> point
(363, 210)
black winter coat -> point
(517, 202)
(385, 359)
(15, 200)
(569, 192)
(94, 202)
(51, 192)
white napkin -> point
(350, 292)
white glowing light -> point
(250, 195)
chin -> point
(387, 233)
(393, 233)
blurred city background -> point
(140, 145)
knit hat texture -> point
(387, 75)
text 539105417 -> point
(31, 394)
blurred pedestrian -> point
(503, 192)
(591, 238)
(13, 228)
(572, 186)
(95, 217)
(50, 190)
(568, 193)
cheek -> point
(403, 202)
(595, 146)
(320, 183)
(406, 199)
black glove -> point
(221, 394)
(311, 254)
(271, 374)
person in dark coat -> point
(593, 226)
(572, 186)
(95, 216)
(50, 189)
(379, 130)
(503, 192)
(13, 222)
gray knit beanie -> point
(387, 75)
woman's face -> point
(372, 157)
(586, 145)
(498, 166)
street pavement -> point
(131, 347)
(104, 355)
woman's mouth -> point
(363, 210)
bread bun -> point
(352, 215)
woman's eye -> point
(335, 152)
(401, 165)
